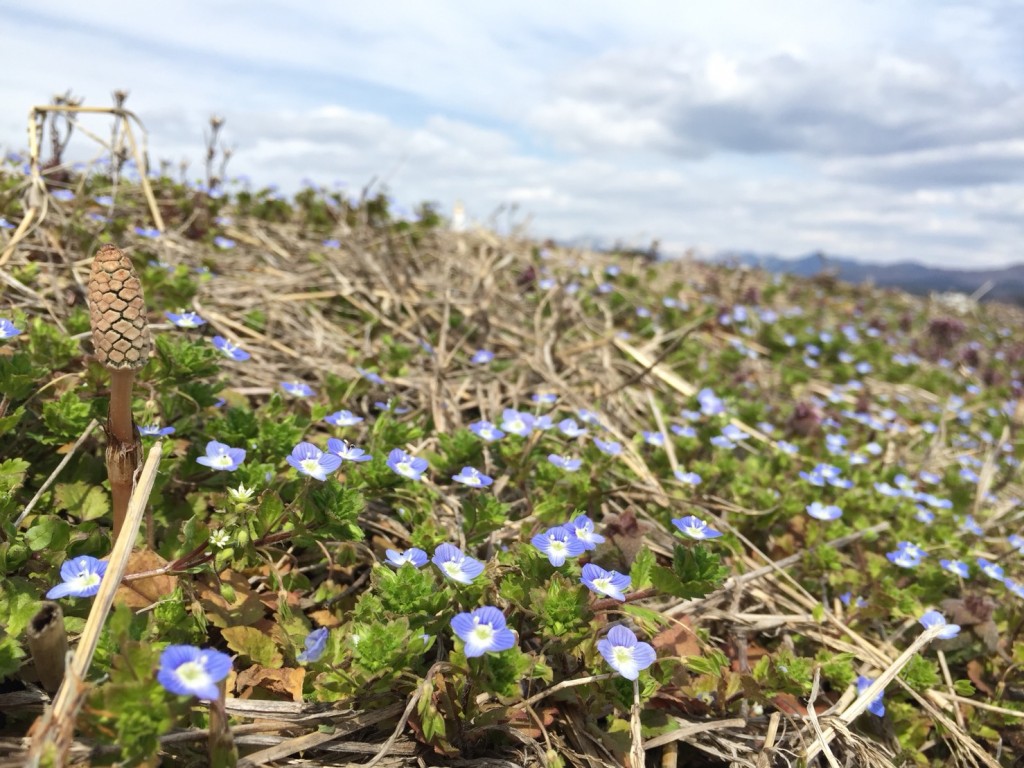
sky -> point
(885, 131)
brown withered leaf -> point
(325, 618)
(975, 673)
(244, 610)
(260, 682)
(142, 593)
(677, 640)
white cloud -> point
(879, 130)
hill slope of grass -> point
(611, 512)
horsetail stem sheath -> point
(117, 312)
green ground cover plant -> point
(423, 497)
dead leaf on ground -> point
(142, 593)
(244, 610)
(279, 683)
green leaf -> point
(640, 573)
(10, 656)
(253, 643)
(48, 532)
(84, 500)
(65, 418)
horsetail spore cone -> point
(120, 335)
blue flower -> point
(230, 350)
(695, 528)
(390, 405)
(343, 419)
(63, 195)
(570, 428)
(906, 555)
(683, 430)
(310, 460)
(185, 319)
(481, 357)
(990, 569)
(150, 232)
(610, 448)
(5, 224)
(223, 242)
(472, 477)
(609, 583)
(687, 478)
(787, 447)
(331, 243)
(546, 398)
(568, 464)
(7, 329)
(847, 597)
(624, 654)
(820, 511)
(411, 555)
(957, 567)
(346, 452)
(401, 463)
(455, 565)
(189, 671)
(970, 526)
(486, 431)
(297, 388)
(483, 631)
(81, 578)
(582, 528)
(876, 707)
(710, 403)
(155, 430)
(370, 376)
(222, 457)
(315, 645)
(557, 544)
(935, 619)
(656, 439)
(516, 423)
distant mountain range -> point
(1007, 283)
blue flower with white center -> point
(543, 423)
(656, 439)
(688, 415)
(887, 490)
(710, 403)
(80, 577)
(688, 478)
(343, 419)
(563, 462)
(331, 242)
(558, 543)
(370, 376)
(847, 597)
(391, 406)
(189, 671)
(624, 653)
(695, 528)
(297, 388)
(1017, 542)
(481, 357)
(923, 515)
(608, 583)
(473, 478)
(546, 398)
(64, 195)
(609, 447)
(483, 631)
(787, 447)
(957, 567)
(582, 528)
(516, 423)
(835, 444)
(820, 511)
(315, 645)
(185, 319)
(151, 232)
(222, 457)
(970, 526)
(933, 619)
(876, 707)
(229, 350)
(486, 431)
(5, 224)
(413, 555)
(401, 463)
(683, 430)
(104, 200)
(570, 428)
(906, 555)
(223, 243)
(155, 430)
(588, 417)
(346, 452)
(732, 432)
(721, 441)
(990, 569)
(310, 460)
(8, 329)
(455, 565)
